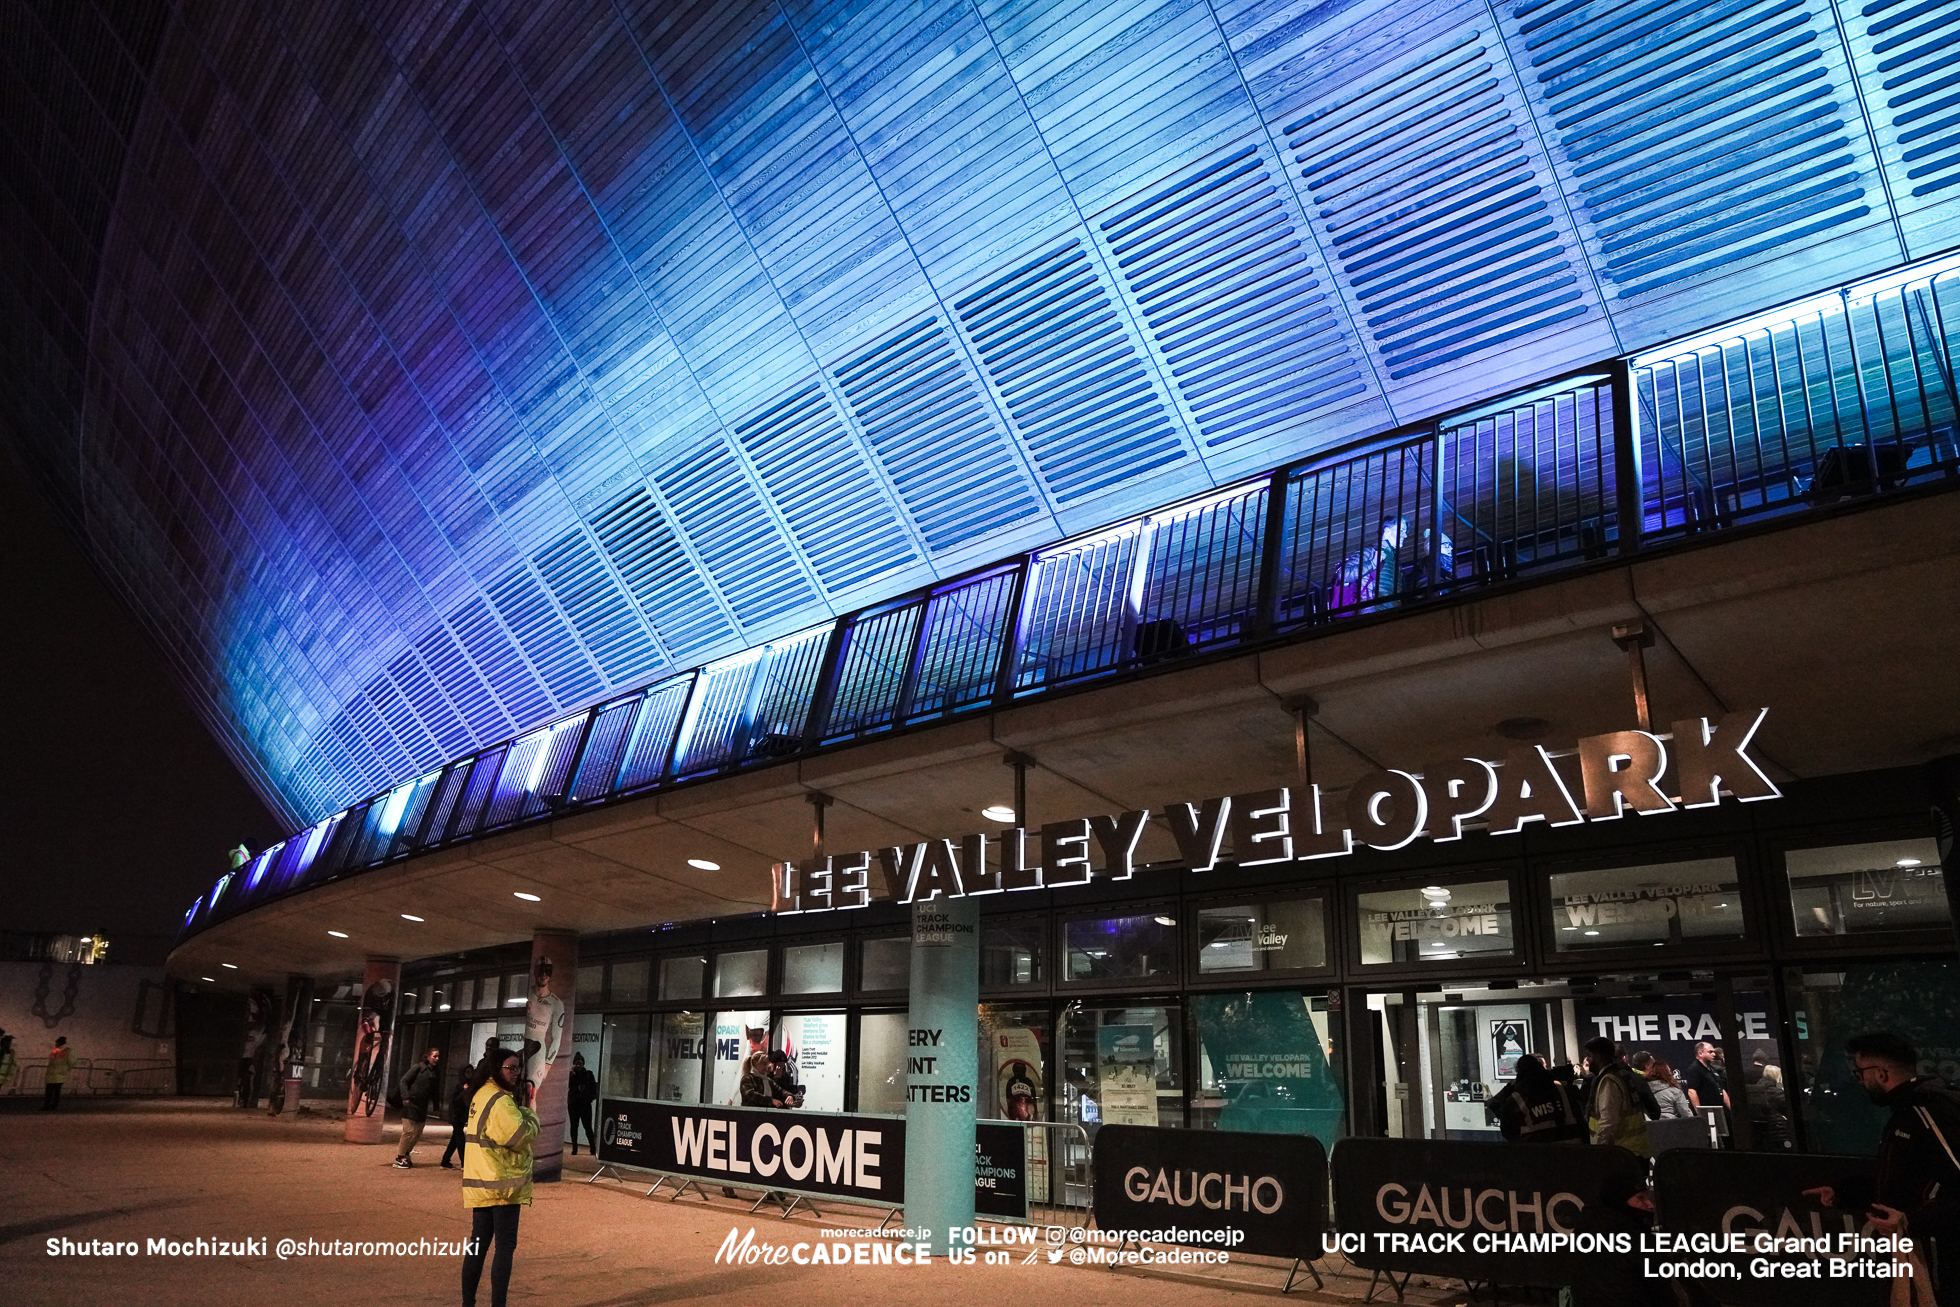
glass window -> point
(1284, 935)
(1266, 1065)
(814, 1044)
(683, 978)
(1435, 923)
(629, 981)
(430, 996)
(442, 996)
(486, 992)
(1122, 948)
(1623, 907)
(1120, 1065)
(1864, 889)
(1912, 999)
(677, 1058)
(881, 1062)
(1015, 1044)
(517, 989)
(1010, 953)
(739, 975)
(737, 1034)
(409, 998)
(887, 963)
(591, 985)
(814, 969)
(628, 1041)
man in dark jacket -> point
(1915, 1189)
(1613, 1279)
(420, 1090)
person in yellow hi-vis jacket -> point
(59, 1060)
(497, 1172)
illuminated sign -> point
(1386, 809)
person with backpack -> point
(1536, 1108)
(459, 1108)
(1915, 1189)
(1621, 1102)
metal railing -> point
(1847, 396)
(101, 1076)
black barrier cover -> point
(1699, 1191)
(1000, 1170)
(1449, 1193)
(1271, 1187)
(860, 1157)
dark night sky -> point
(121, 805)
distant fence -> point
(97, 1077)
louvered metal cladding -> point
(544, 638)
(1837, 397)
(1061, 357)
(650, 752)
(1855, 394)
(450, 666)
(727, 523)
(817, 476)
(1903, 51)
(917, 403)
(677, 602)
(1432, 208)
(432, 708)
(600, 612)
(1700, 136)
(605, 745)
(483, 638)
(1223, 275)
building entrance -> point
(1445, 1052)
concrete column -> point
(289, 1054)
(548, 1024)
(374, 1036)
(942, 1083)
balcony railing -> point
(1844, 397)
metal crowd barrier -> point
(102, 1077)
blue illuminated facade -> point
(436, 372)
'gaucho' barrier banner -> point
(1499, 1213)
(1778, 1245)
(828, 1153)
(1270, 1189)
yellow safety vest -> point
(1632, 1134)
(497, 1165)
(57, 1065)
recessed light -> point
(1436, 893)
(410, 916)
(212, 979)
(528, 898)
(1592, 932)
(1568, 928)
(1166, 921)
(338, 934)
(1908, 862)
(229, 966)
(702, 864)
(999, 812)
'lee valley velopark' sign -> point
(1388, 809)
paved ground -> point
(187, 1168)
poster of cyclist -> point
(367, 1082)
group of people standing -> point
(61, 1060)
(1915, 1189)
